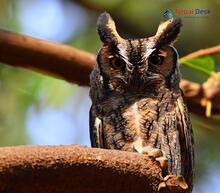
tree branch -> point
(61, 61)
(74, 65)
(77, 169)
(202, 52)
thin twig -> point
(202, 52)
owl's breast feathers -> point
(132, 122)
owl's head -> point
(132, 64)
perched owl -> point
(137, 104)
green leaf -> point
(204, 64)
(218, 75)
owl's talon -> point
(158, 155)
(161, 186)
(146, 150)
(178, 181)
(166, 178)
(163, 162)
(153, 152)
(174, 183)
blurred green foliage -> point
(204, 64)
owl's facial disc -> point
(157, 57)
(137, 61)
(163, 61)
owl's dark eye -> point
(116, 62)
(156, 58)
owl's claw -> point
(163, 162)
(174, 182)
(158, 155)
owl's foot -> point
(158, 155)
(173, 182)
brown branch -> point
(202, 52)
(61, 61)
(196, 94)
(74, 65)
(76, 169)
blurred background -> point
(37, 109)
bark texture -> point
(77, 169)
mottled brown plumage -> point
(136, 100)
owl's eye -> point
(116, 62)
(156, 58)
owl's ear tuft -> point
(168, 31)
(107, 30)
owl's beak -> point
(136, 80)
(140, 67)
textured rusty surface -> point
(73, 168)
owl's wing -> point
(186, 141)
(96, 128)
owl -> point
(137, 104)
